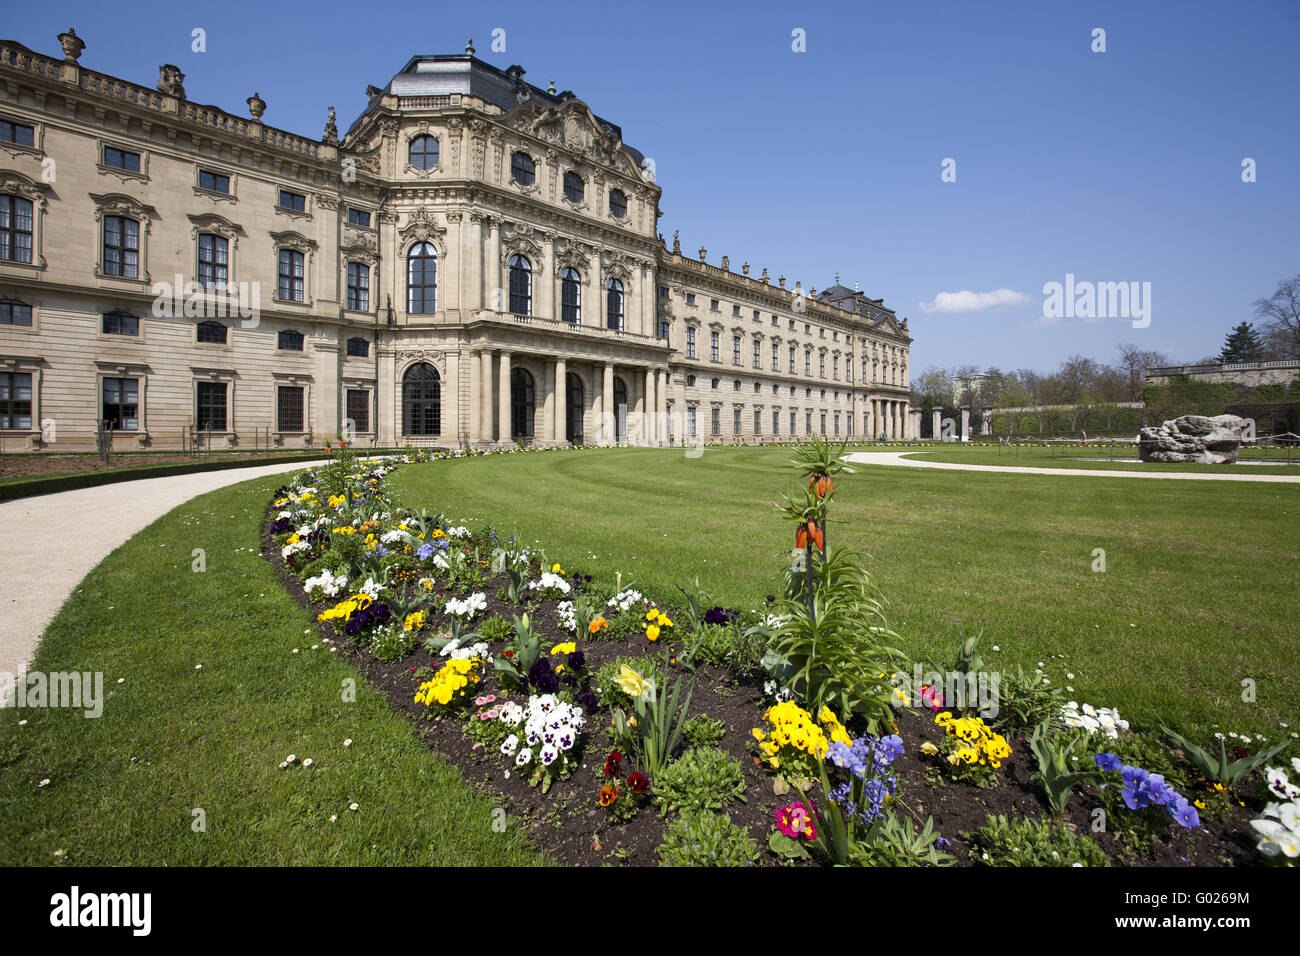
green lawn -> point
(123, 787)
(1199, 592)
(1095, 457)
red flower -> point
(509, 654)
(638, 782)
(613, 764)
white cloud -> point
(966, 301)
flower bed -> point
(621, 727)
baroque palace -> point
(475, 260)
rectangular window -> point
(295, 201)
(359, 217)
(359, 286)
(807, 423)
(758, 354)
(358, 347)
(715, 421)
(15, 313)
(735, 350)
(288, 408)
(794, 421)
(758, 423)
(713, 346)
(776, 421)
(821, 365)
(848, 423)
(214, 182)
(121, 159)
(15, 400)
(214, 261)
(807, 361)
(823, 422)
(735, 421)
(866, 424)
(713, 305)
(121, 397)
(213, 332)
(291, 276)
(17, 133)
(757, 317)
(690, 421)
(358, 409)
(120, 323)
(792, 360)
(663, 329)
(835, 367)
(663, 292)
(15, 229)
(735, 310)
(690, 298)
(121, 247)
(776, 357)
(211, 412)
(690, 343)
(774, 321)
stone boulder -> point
(1194, 438)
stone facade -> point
(1252, 374)
(475, 260)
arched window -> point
(573, 408)
(614, 305)
(620, 409)
(617, 204)
(522, 169)
(521, 286)
(571, 296)
(422, 279)
(421, 400)
(574, 187)
(424, 152)
(522, 404)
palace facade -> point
(474, 260)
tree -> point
(934, 384)
(1075, 378)
(1242, 345)
(1133, 363)
(1281, 318)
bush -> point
(1032, 843)
(700, 779)
(703, 731)
(495, 629)
(1024, 701)
(706, 839)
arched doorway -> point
(620, 409)
(573, 407)
(522, 404)
(421, 400)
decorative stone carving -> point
(256, 106)
(217, 225)
(1194, 438)
(331, 136)
(72, 45)
(420, 227)
(171, 80)
(295, 241)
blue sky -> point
(1115, 166)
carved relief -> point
(420, 227)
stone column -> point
(450, 426)
(503, 400)
(936, 425)
(651, 408)
(548, 279)
(609, 414)
(905, 410)
(661, 407)
(486, 421)
(498, 300)
(475, 402)
(561, 399)
(646, 295)
(548, 404)
(474, 263)
(593, 307)
(965, 424)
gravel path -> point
(902, 458)
(53, 541)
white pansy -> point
(549, 580)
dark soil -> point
(570, 826)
